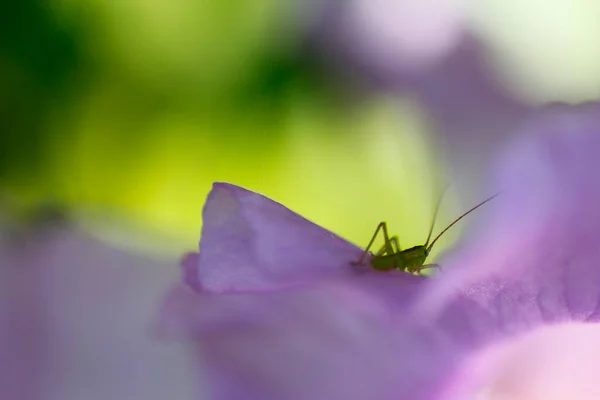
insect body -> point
(412, 260)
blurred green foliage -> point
(37, 56)
(126, 112)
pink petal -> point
(555, 362)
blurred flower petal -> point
(403, 33)
(539, 242)
(471, 112)
(555, 362)
(23, 331)
(78, 319)
(326, 342)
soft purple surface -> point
(271, 326)
(288, 344)
(539, 246)
(77, 321)
(555, 362)
(23, 333)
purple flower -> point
(277, 311)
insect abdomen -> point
(385, 263)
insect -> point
(412, 260)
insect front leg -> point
(387, 247)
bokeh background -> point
(117, 116)
(122, 114)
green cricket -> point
(412, 260)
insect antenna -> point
(458, 219)
(435, 213)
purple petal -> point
(189, 265)
(537, 259)
(277, 311)
(553, 362)
(250, 242)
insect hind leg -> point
(395, 247)
(387, 246)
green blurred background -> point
(123, 113)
